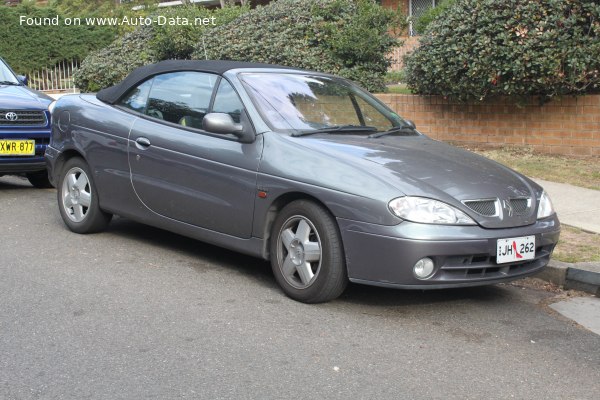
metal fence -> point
(55, 79)
(416, 8)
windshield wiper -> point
(337, 128)
(403, 128)
(8, 83)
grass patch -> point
(572, 170)
(576, 245)
(398, 89)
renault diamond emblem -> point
(11, 116)
(508, 207)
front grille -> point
(520, 206)
(488, 208)
(23, 118)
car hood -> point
(419, 166)
(22, 98)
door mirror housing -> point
(223, 124)
(410, 123)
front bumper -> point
(463, 255)
(31, 164)
(21, 164)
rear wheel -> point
(78, 199)
(307, 256)
(39, 179)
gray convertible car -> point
(301, 168)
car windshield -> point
(6, 75)
(304, 104)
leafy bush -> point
(78, 7)
(110, 65)
(27, 48)
(482, 48)
(345, 37)
(178, 41)
(148, 44)
(106, 9)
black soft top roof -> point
(112, 94)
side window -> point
(228, 102)
(181, 97)
(136, 98)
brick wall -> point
(563, 126)
(395, 4)
(396, 56)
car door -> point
(180, 171)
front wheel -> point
(307, 255)
(78, 199)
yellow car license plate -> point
(17, 147)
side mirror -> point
(222, 123)
(23, 79)
(410, 123)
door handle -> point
(142, 143)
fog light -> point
(423, 268)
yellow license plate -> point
(17, 147)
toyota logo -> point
(11, 116)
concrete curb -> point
(578, 276)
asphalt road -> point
(139, 313)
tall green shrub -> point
(345, 37)
(28, 48)
(178, 41)
(482, 48)
(149, 44)
(111, 64)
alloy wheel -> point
(76, 194)
(299, 252)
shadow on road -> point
(259, 271)
(211, 257)
(12, 182)
(371, 295)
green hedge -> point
(345, 37)
(482, 48)
(148, 44)
(28, 48)
(110, 65)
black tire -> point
(80, 216)
(39, 179)
(293, 253)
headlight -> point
(428, 211)
(545, 208)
